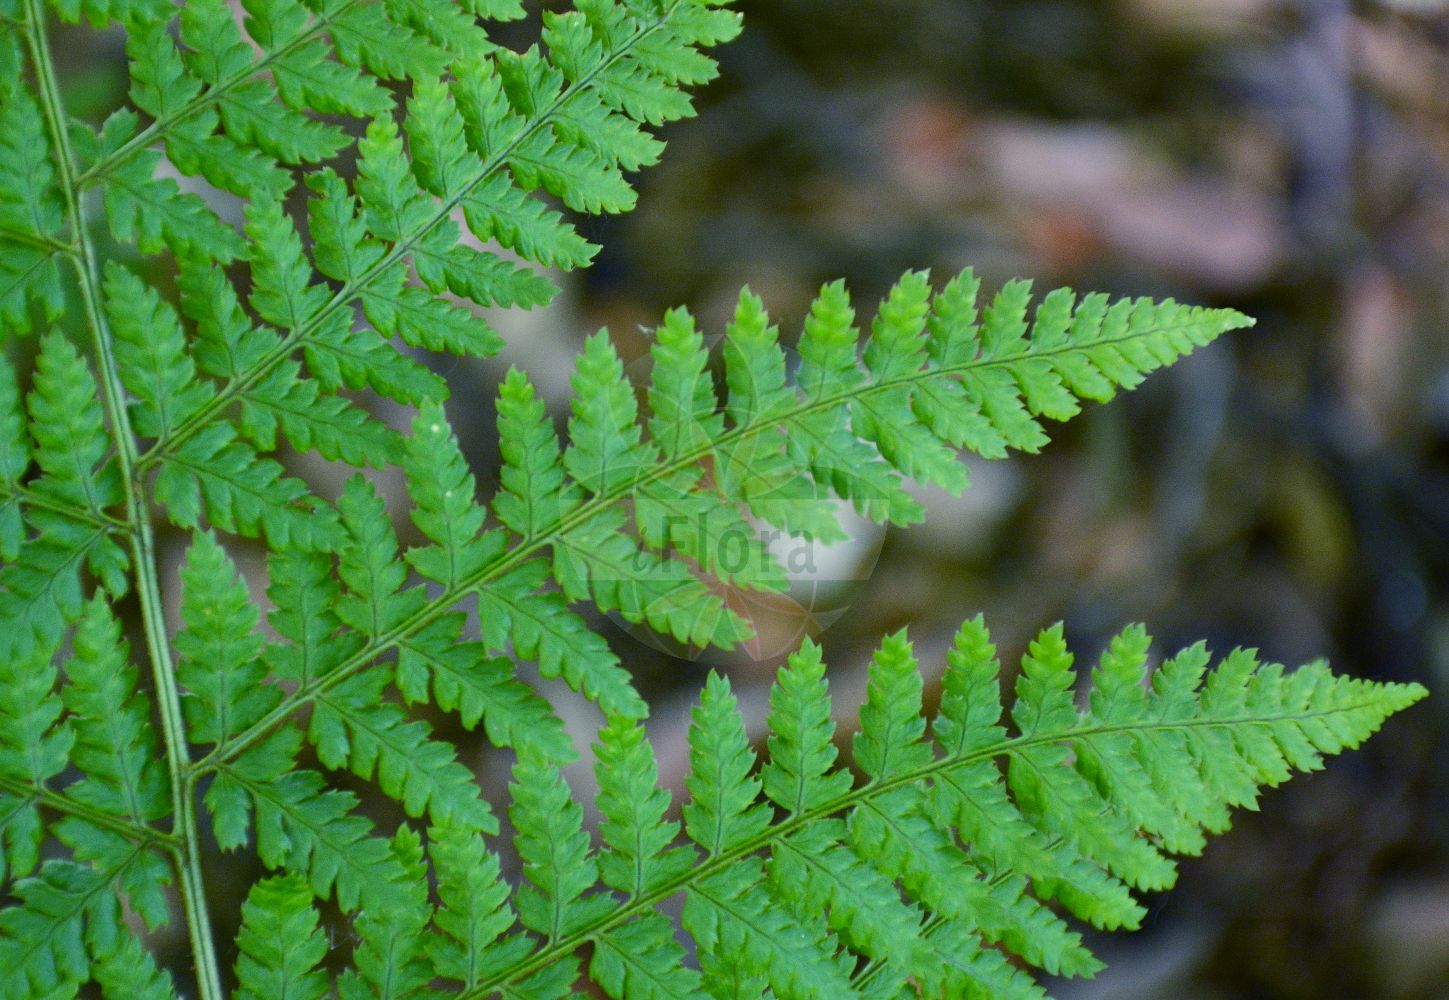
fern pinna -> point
(159, 352)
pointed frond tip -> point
(659, 509)
(962, 862)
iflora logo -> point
(787, 562)
(785, 587)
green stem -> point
(354, 288)
(66, 806)
(548, 953)
(99, 170)
(138, 516)
(46, 243)
(529, 547)
(29, 498)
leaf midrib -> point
(549, 953)
(351, 290)
(530, 546)
(156, 131)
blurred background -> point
(1287, 488)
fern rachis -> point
(964, 842)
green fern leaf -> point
(722, 812)
(535, 495)
(240, 492)
(303, 826)
(467, 943)
(606, 448)
(70, 438)
(642, 959)
(496, 209)
(558, 866)
(281, 942)
(361, 359)
(351, 726)
(539, 626)
(31, 212)
(227, 343)
(446, 509)
(390, 961)
(890, 740)
(99, 12)
(314, 420)
(442, 174)
(734, 921)
(282, 289)
(151, 350)
(816, 872)
(155, 214)
(130, 973)
(35, 746)
(40, 591)
(43, 940)
(370, 567)
(638, 855)
(69, 915)
(132, 866)
(219, 646)
(798, 776)
(28, 273)
(365, 38)
(14, 462)
(162, 87)
(305, 593)
(434, 666)
(115, 746)
(936, 866)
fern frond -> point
(69, 917)
(446, 507)
(637, 855)
(352, 726)
(70, 438)
(219, 646)
(153, 212)
(42, 941)
(14, 462)
(115, 744)
(131, 972)
(478, 142)
(281, 942)
(389, 960)
(305, 593)
(35, 746)
(854, 425)
(40, 589)
(303, 826)
(242, 493)
(538, 625)
(32, 213)
(938, 866)
(151, 351)
(466, 943)
(441, 174)
(558, 866)
(435, 666)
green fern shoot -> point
(302, 199)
